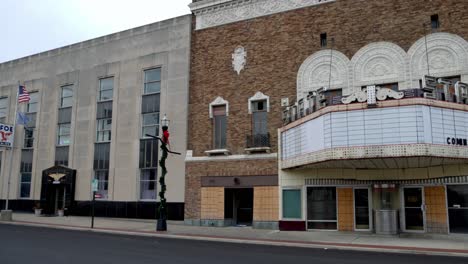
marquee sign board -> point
(6, 135)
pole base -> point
(6, 215)
(162, 225)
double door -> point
(414, 209)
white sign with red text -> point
(6, 135)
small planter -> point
(60, 212)
(37, 212)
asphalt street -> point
(21, 245)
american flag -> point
(23, 95)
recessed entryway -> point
(238, 205)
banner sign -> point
(6, 135)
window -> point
(435, 21)
(28, 138)
(104, 127)
(66, 98)
(3, 107)
(148, 184)
(323, 40)
(61, 155)
(106, 89)
(321, 208)
(103, 182)
(152, 81)
(25, 173)
(63, 135)
(259, 118)
(292, 206)
(25, 185)
(219, 124)
(259, 137)
(148, 153)
(150, 124)
(32, 104)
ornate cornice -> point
(211, 13)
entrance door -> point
(362, 219)
(414, 209)
(238, 205)
(458, 208)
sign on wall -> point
(417, 124)
(6, 135)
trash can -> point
(386, 222)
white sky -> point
(33, 26)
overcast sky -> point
(33, 26)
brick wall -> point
(195, 170)
(212, 203)
(345, 209)
(278, 44)
(266, 203)
(436, 209)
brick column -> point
(436, 209)
(345, 209)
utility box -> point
(386, 222)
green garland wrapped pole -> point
(162, 221)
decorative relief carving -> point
(379, 63)
(314, 72)
(381, 95)
(384, 93)
(238, 10)
(383, 63)
(448, 55)
(360, 96)
(239, 59)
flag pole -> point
(12, 147)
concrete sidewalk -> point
(404, 243)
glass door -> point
(361, 209)
(458, 208)
(414, 208)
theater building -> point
(370, 101)
(92, 104)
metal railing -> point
(258, 140)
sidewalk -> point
(404, 243)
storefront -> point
(396, 166)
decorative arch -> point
(314, 72)
(219, 101)
(378, 63)
(447, 55)
(259, 96)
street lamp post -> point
(162, 221)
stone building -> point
(260, 66)
(91, 105)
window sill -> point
(258, 150)
(215, 152)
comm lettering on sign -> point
(457, 141)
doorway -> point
(238, 206)
(457, 200)
(57, 190)
(362, 209)
(413, 209)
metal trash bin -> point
(386, 222)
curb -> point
(240, 240)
